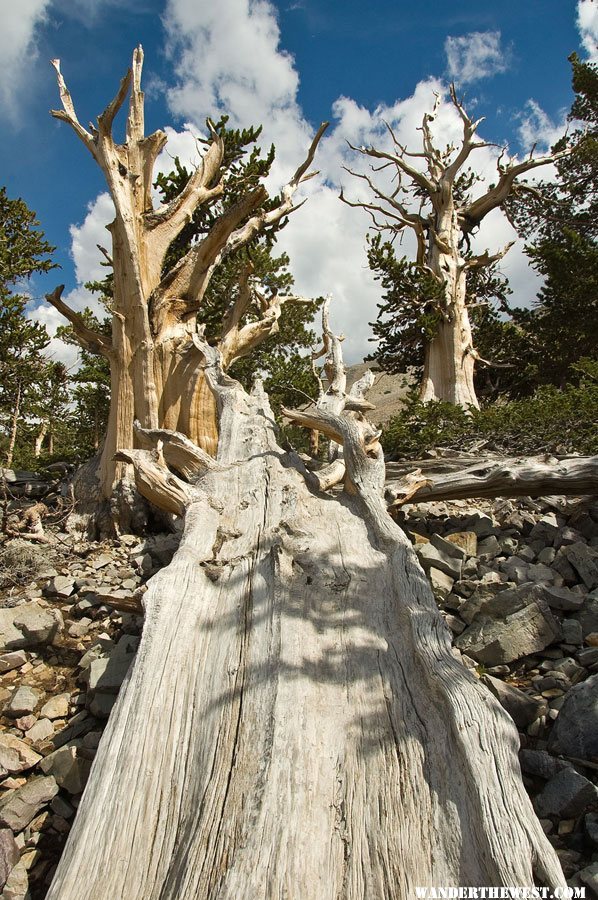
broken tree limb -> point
(514, 477)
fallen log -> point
(508, 477)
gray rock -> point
(441, 584)
(546, 530)
(23, 701)
(589, 876)
(70, 771)
(561, 565)
(563, 598)
(572, 632)
(489, 547)
(14, 660)
(496, 602)
(567, 795)
(588, 616)
(15, 755)
(102, 647)
(17, 884)
(541, 764)
(575, 732)
(481, 524)
(62, 807)
(57, 707)
(447, 547)
(106, 674)
(42, 729)
(584, 560)
(9, 854)
(101, 705)
(523, 709)
(591, 826)
(28, 625)
(61, 586)
(102, 560)
(569, 667)
(587, 656)
(429, 556)
(524, 632)
(19, 807)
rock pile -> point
(64, 652)
(517, 585)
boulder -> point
(17, 884)
(441, 584)
(57, 707)
(106, 674)
(541, 764)
(9, 854)
(526, 631)
(70, 771)
(567, 795)
(523, 709)
(588, 616)
(584, 560)
(19, 807)
(430, 556)
(15, 755)
(23, 701)
(575, 732)
(28, 625)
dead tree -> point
(429, 202)
(295, 723)
(155, 372)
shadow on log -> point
(295, 723)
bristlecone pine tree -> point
(294, 724)
(156, 372)
(433, 205)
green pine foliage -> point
(552, 420)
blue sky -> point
(288, 64)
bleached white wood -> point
(295, 724)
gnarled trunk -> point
(286, 727)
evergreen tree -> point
(23, 252)
(560, 219)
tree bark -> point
(285, 728)
(509, 477)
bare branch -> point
(487, 259)
(90, 340)
(155, 482)
(68, 114)
(471, 216)
(106, 118)
(179, 452)
(416, 176)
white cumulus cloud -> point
(476, 55)
(587, 23)
(20, 22)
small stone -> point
(80, 628)
(60, 824)
(592, 639)
(481, 524)
(23, 702)
(522, 633)
(589, 876)
(69, 770)
(62, 586)
(591, 826)
(489, 547)
(9, 854)
(562, 598)
(62, 807)
(26, 722)
(15, 755)
(567, 795)
(441, 584)
(566, 826)
(455, 624)
(19, 807)
(42, 729)
(522, 708)
(57, 707)
(101, 705)
(429, 556)
(17, 884)
(14, 660)
(572, 632)
(584, 560)
(575, 732)
(467, 540)
(101, 561)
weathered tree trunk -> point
(517, 477)
(155, 376)
(39, 439)
(295, 724)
